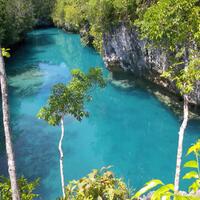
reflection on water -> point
(128, 129)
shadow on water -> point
(27, 53)
(18, 70)
(42, 39)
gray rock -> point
(124, 51)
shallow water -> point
(128, 129)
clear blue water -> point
(128, 129)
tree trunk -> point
(180, 144)
(62, 156)
(7, 131)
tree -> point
(173, 25)
(185, 81)
(70, 100)
(7, 130)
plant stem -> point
(62, 156)
(180, 144)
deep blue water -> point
(128, 129)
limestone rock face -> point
(122, 50)
(125, 51)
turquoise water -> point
(128, 129)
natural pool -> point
(129, 129)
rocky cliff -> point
(125, 52)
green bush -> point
(26, 189)
(99, 184)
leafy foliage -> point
(194, 165)
(171, 25)
(101, 15)
(100, 185)
(164, 191)
(171, 22)
(165, 22)
(185, 79)
(167, 191)
(43, 10)
(70, 98)
(5, 52)
(26, 189)
(16, 18)
(19, 16)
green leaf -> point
(181, 197)
(190, 175)
(191, 150)
(164, 191)
(70, 99)
(194, 148)
(191, 164)
(5, 52)
(148, 186)
(194, 186)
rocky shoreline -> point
(125, 52)
(134, 63)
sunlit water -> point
(128, 129)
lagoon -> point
(127, 128)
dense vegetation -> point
(101, 15)
(42, 11)
(16, 18)
(26, 189)
(99, 184)
(19, 16)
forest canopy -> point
(19, 16)
(100, 15)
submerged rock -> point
(125, 81)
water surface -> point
(128, 129)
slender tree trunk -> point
(62, 156)
(180, 144)
(7, 131)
